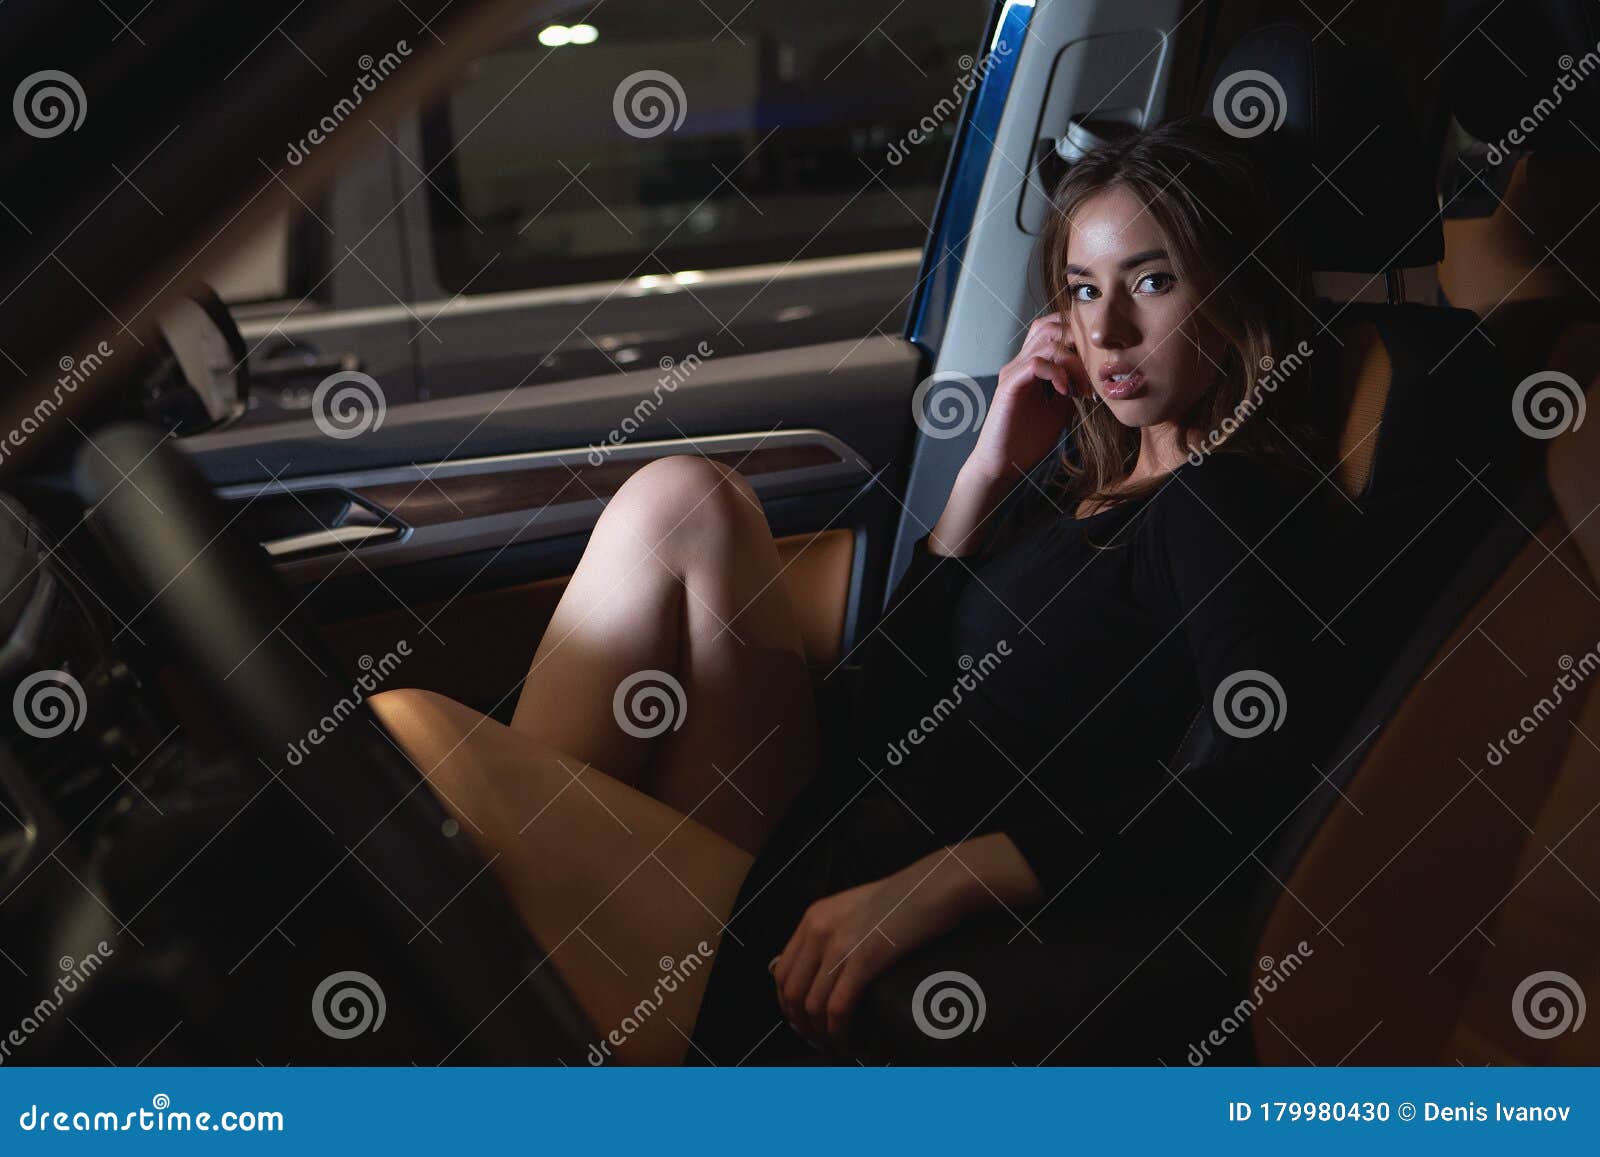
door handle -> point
(293, 545)
(300, 362)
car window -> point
(656, 138)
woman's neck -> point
(1162, 449)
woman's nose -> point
(1112, 328)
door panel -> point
(479, 646)
(455, 522)
(413, 513)
(858, 391)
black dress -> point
(1039, 690)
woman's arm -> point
(973, 500)
(846, 940)
(1024, 423)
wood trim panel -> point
(480, 644)
(461, 496)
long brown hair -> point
(1225, 242)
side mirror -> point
(200, 380)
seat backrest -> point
(1447, 878)
(1440, 892)
(1409, 396)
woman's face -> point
(1137, 327)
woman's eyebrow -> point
(1125, 264)
(1141, 258)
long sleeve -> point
(1203, 558)
(912, 637)
(918, 615)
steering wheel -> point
(229, 622)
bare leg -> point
(620, 888)
(681, 578)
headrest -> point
(1524, 72)
(1336, 133)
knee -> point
(690, 497)
(420, 721)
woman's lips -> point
(1121, 382)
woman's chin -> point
(1137, 412)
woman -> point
(708, 892)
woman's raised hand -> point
(1030, 409)
(1031, 403)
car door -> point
(734, 285)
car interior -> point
(212, 585)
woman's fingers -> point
(793, 988)
(842, 1001)
(782, 965)
(1045, 339)
(1052, 372)
(815, 1006)
(1048, 345)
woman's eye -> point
(1154, 283)
(1082, 292)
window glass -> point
(657, 139)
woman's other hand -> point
(846, 940)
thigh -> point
(749, 737)
(619, 615)
(629, 897)
(674, 660)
